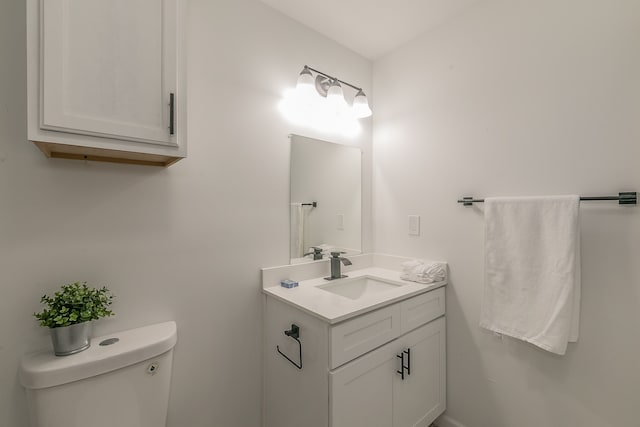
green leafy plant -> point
(75, 303)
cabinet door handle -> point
(401, 371)
(172, 124)
(402, 365)
(408, 353)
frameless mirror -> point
(326, 199)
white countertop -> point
(332, 308)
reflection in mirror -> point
(325, 199)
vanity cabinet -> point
(106, 79)
(371, 391)
(382, 368)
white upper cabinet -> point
(106, 79)
(108, 68)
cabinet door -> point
(361, 392)
(108, 68)
(421, 397)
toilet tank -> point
(122, 379)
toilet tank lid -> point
(44, 369)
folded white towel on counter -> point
(423, 272)
(532, 268)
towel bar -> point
(624, 198)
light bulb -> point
(305, 78)
(306, 84)
(335, 96)
(361, 105)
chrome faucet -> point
(336, 259)
(317, 253)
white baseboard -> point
(446, 421)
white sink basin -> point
(361, 287)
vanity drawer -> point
(422, 309)
(357, 336)
(361, 334)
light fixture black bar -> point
(624, 198)
(333, 78)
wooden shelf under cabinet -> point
(64, 151)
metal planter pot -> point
(71, 339)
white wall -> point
(521, 98)
(183, 243)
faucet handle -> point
(337, 254)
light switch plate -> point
(414, 225)
(340, 221)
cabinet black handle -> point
(172, 125)
(402, 365)
(401, 371)
(408, 352)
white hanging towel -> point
(297, 216)
(532, 268)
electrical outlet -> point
(340, 221)
(414, 225)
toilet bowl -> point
(122, 380)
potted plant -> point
(69, 314)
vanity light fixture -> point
(331, 88)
